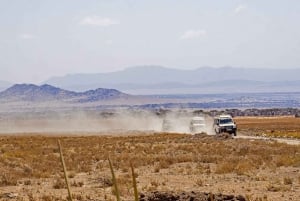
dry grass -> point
(161, 161)
(286, 126)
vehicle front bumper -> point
(227, 129)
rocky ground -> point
(189, 196)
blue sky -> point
(44, 38)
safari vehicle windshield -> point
(226, 121)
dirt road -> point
(283, 140)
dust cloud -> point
(98, 121)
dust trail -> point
(179, 121)
(97, 121)
(79, 121)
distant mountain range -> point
(33, 98)
(34, 93)
(145, 80)
(161, 80)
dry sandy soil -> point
(179, 165)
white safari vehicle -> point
(197, 125)
(224, 124)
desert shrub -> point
(27, 182)
(287, 180)
(59, 184)
(77, 183)
(8, 180)
(244, 167)
(199, 182)
(47, 198)
(71, 175)
(225, 167)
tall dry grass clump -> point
(65, 171)
(116, 189)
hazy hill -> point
(156, 79)
(31, 92)
(33, 98)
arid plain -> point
(257, 169)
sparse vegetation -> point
(284, 126)
(195, 162)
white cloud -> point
(240, 8)
(26, 36)
(98, 21)
(191, 34)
